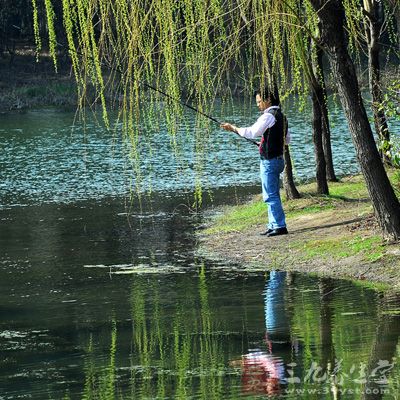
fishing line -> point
(194, 109)
(185, 104)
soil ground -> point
(341, 242)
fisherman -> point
(271, 126)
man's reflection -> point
(263, 372)
(276, 320)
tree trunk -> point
(326, 131)
(288, 181)
(317, 97)
(320, 165)
(385, 203)
(374, 12)
(326, 289)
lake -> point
(105, 298)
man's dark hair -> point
(266, 94)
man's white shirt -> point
(265, 121)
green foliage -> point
(188, 49)
(354, 23)
(391, 106)
(68, 20)
(36, 31)
(52, 33)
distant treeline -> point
(16, 25)
(17, 31)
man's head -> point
(266, 98)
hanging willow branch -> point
(189, 49)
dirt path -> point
(349, 227)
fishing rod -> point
(185, 104)
(194, 109)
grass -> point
(51, 92)
(32, 95)
(370, 248)
(238, 218)
(348, 240)
(241, 217)
(52, 89)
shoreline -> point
(26, 84)
(333, 236)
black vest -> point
(273, 139)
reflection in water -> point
(100, 383)
(328, 359)
(179, 354)
(277, 324)
(383, 351)
(212, 332)
(192, 352)
(202, 335)
(262, 371)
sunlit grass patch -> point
(308, 205)
(371, 248)
(348, 190)
(239, 218)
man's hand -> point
(229, 127)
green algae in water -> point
(154, 268)
(129, 269)
(391, 312)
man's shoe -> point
(277, 232)
(266, 232)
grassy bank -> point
(26, 84)
(335, 235)
(59, 92)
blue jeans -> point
(269, 172)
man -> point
(270, 126)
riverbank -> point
(331, 236)
(28, 84)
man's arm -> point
(264, 122)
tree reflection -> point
(382, 351)
(184, 340)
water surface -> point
(99, 304)
(46, 158)
(104, 298)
